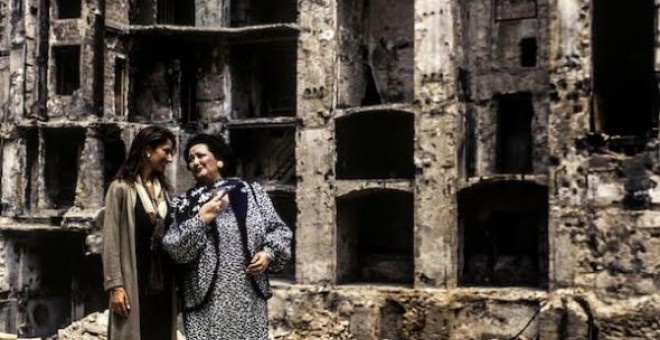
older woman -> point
(226, 234)
(135, 268)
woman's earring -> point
(148, 155)
(220, 164)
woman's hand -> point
(259, 263)
(119, 302)
(211, 209)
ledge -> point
(31, 224)
(274, 186)
(527, 178)
(266, 122)
(73, 220)
(505, 294)
(249, 33)
(374, 108)
(346, 187)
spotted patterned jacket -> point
(190, 242)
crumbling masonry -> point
(474, 169)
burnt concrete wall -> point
(603, 234)
(469, 98)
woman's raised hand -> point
(211, 209)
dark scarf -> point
(196, 197)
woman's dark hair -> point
(147, 139)
(216, 146)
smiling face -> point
(202, 164)
(160, 156)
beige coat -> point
(119, 259)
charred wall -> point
(451, 169)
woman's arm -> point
(277, 242)
(184, 240)
(114, 210)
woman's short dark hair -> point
(215, 144)
(147, 139)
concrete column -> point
(568, 121)
(317, 57)
(12, 163)
(437, 136)
(89, 187)
(211, 13)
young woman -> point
(135, 269)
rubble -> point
(92, 327)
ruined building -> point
(473, 169)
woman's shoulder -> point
(119, 186)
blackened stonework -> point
(451, 169)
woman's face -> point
(202, 164)
(160, 156)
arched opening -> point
(375, 237)
(503, 229)
(375, 145)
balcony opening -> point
(63, 147)
(375, 237)
(514, 133)
(143, 12)
(528, 51)
(264, 79)
(67, 69)
(165, 86)
(56, 278)
(176, 12)
(264, 154)
(120, 87)
(257, 12)
(31, 168)
(375, 145)
(376, 58)
(503, 231)
(625, 93)
(69, 9)
(285, 204)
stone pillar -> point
(437, 132)
(568, 121)
(89, 186)
(13, 163)
(211, 13)
(317, 48)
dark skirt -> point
(155, 307)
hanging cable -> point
(530, 321)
